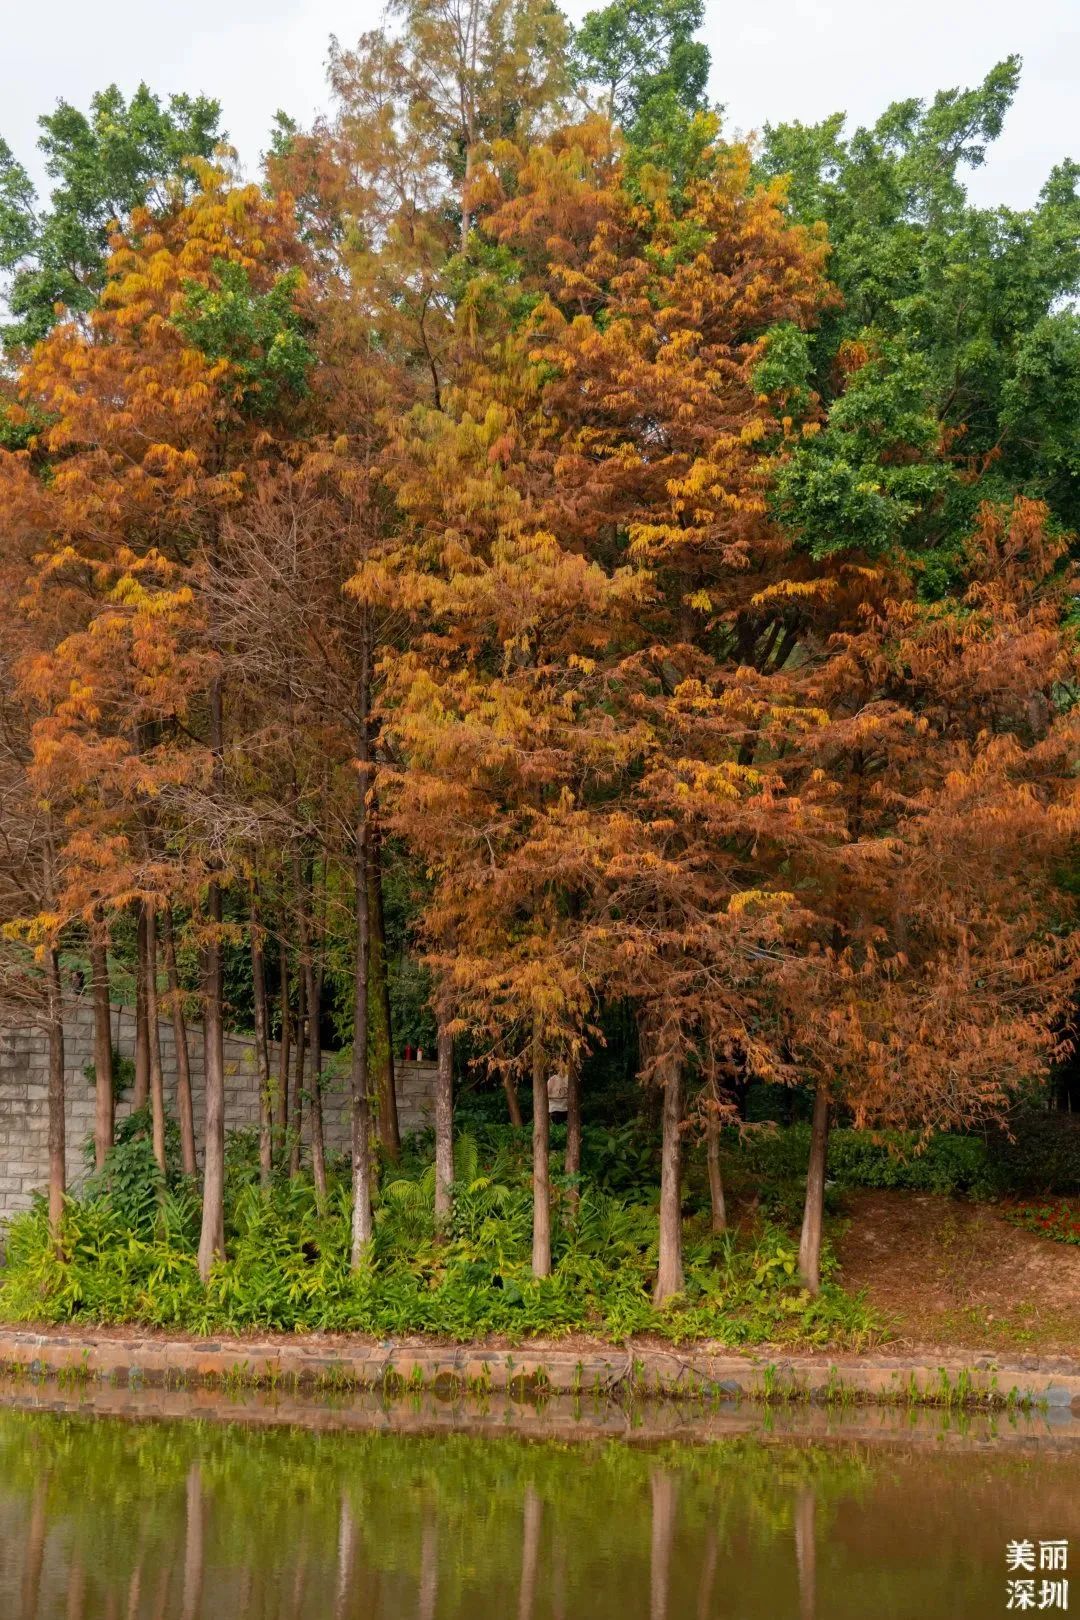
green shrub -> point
(946, 1164)
(129, 1255)
(1040, 1154)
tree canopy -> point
(634, 565)
(104, 164)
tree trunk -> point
(262, 1046)
(296, 1125)
(104, 1109)
(318, 1138)
(669, 1276)
(311, 990)
(716, 1180)
(512, 1104)
(141, 1091)
(814, 1208)
(380, 1032)
(444, 1129)
(57, 1123)
(282, 1117)
(184, 1110)
(362, 1219)
(212, 1236)
(153, 1038)
(572, 1165)
(541, 1135)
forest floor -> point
(949, 1274)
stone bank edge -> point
(1051, 1386)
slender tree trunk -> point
(444, 1128)
(318, 1137)
(362, 1220)
(712, 1154)
(57, 1123)
(541, 1136)
(262, 1045)
(141, 1091)
(669, 1277)
(283, 1046)
(212, 1236)
(512, 1104)
(572, 1165)
(297, 1123)
(153, 1038)
(104, 1108)
(311, 986)
(184, 1109)
(814, 1208)
(381, 1034)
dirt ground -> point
(943, 1272)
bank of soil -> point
(945, 1273)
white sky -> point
(787, 59)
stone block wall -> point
(24, 1127)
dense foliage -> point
(543, 574)
(129, 1254)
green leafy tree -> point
(104, 164)
(643, 55)
(652, 74)
(950, 370)
(260, 335)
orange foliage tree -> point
(155, 420)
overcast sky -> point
(788, 59)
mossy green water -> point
(227, 1522)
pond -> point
(178, 1506)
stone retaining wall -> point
(24, 1126)
(1049, 1385)
(566, 1418)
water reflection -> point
(806, 1552)
(102, 1519)
(664, 1491)
(193, 1544)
